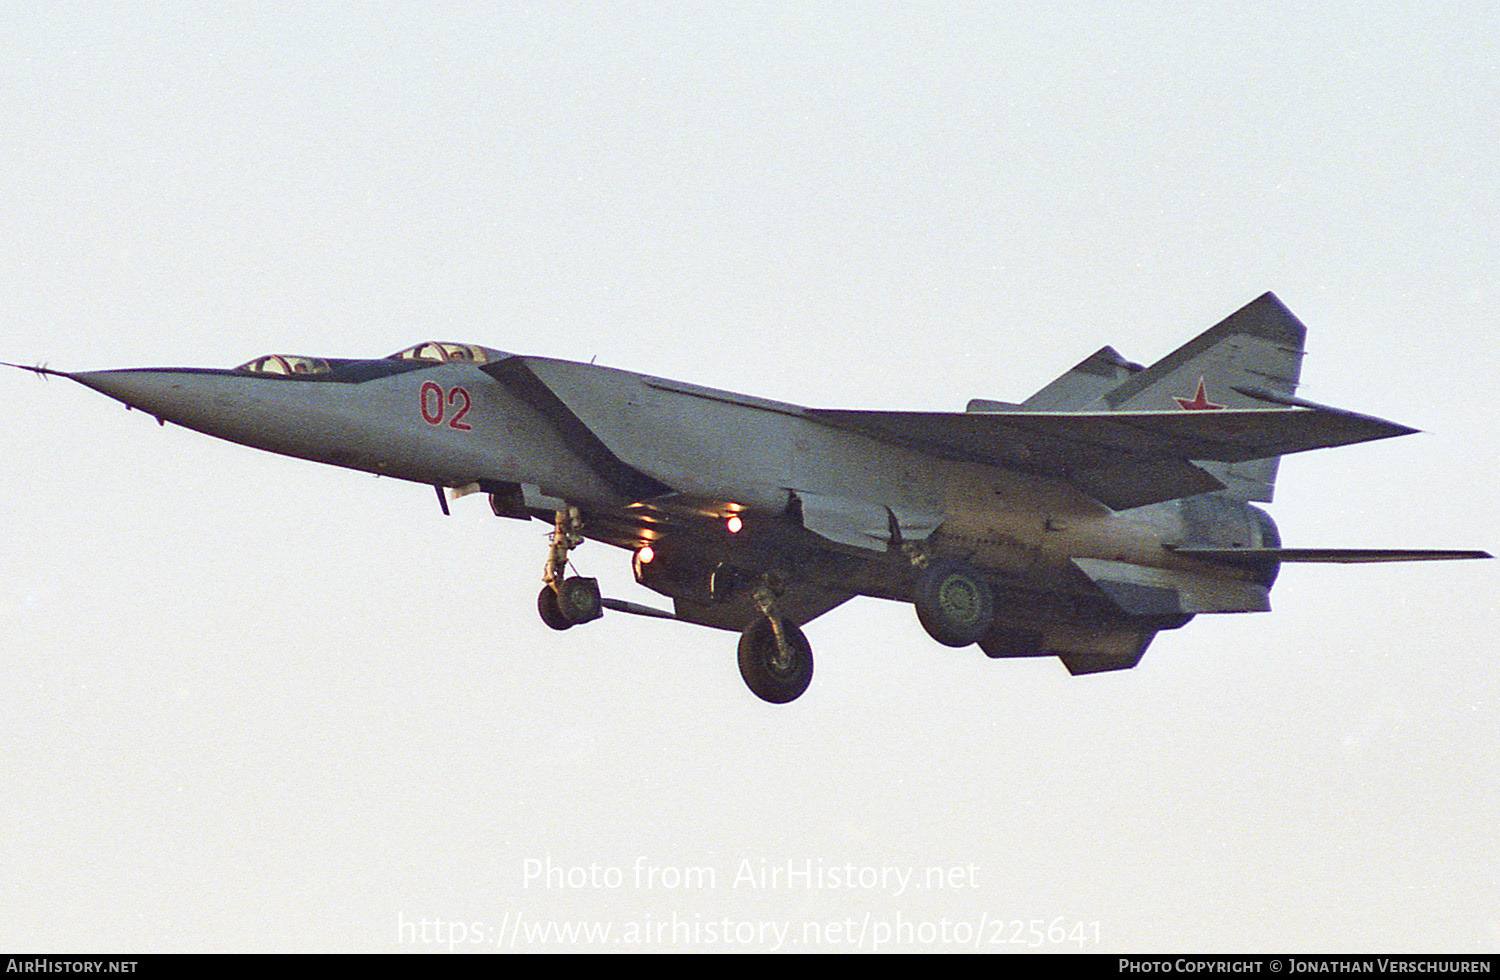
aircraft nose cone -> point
(219, 403)
(160, 392)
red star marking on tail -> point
(1199, 402)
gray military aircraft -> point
(1110, 505)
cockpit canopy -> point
(415, 357)
(437, 350)
(285, 364)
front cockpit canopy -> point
(285, 364)
(437, 350)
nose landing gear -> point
(566, 601)
(775, 658)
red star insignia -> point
(1199, 402)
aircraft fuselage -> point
(602, 439)
(1112, 504)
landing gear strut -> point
(565, 600)
(775, 658)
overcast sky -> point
(252, 703)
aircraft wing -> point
(1123, 459)
(1254, 556)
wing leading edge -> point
(1122, 459)
(1255, 556)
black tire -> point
(551, 613)
(579, 600)
(954, 604)
(767, 680)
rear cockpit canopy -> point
(285, 364)
(435, 350)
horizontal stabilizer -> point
(1343, 555)
(1141, 590)
(1123, 459)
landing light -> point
(734, 524)
(645, 555)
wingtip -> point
(1393, 430)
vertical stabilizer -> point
(1099, 373)
(1258, 348)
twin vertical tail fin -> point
(1256, 349)
(1253, 359)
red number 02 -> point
(433, 408)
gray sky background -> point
(251, 703)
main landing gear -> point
(955, 605)
(775, 658)
(567, 601)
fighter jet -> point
(1110, 505)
